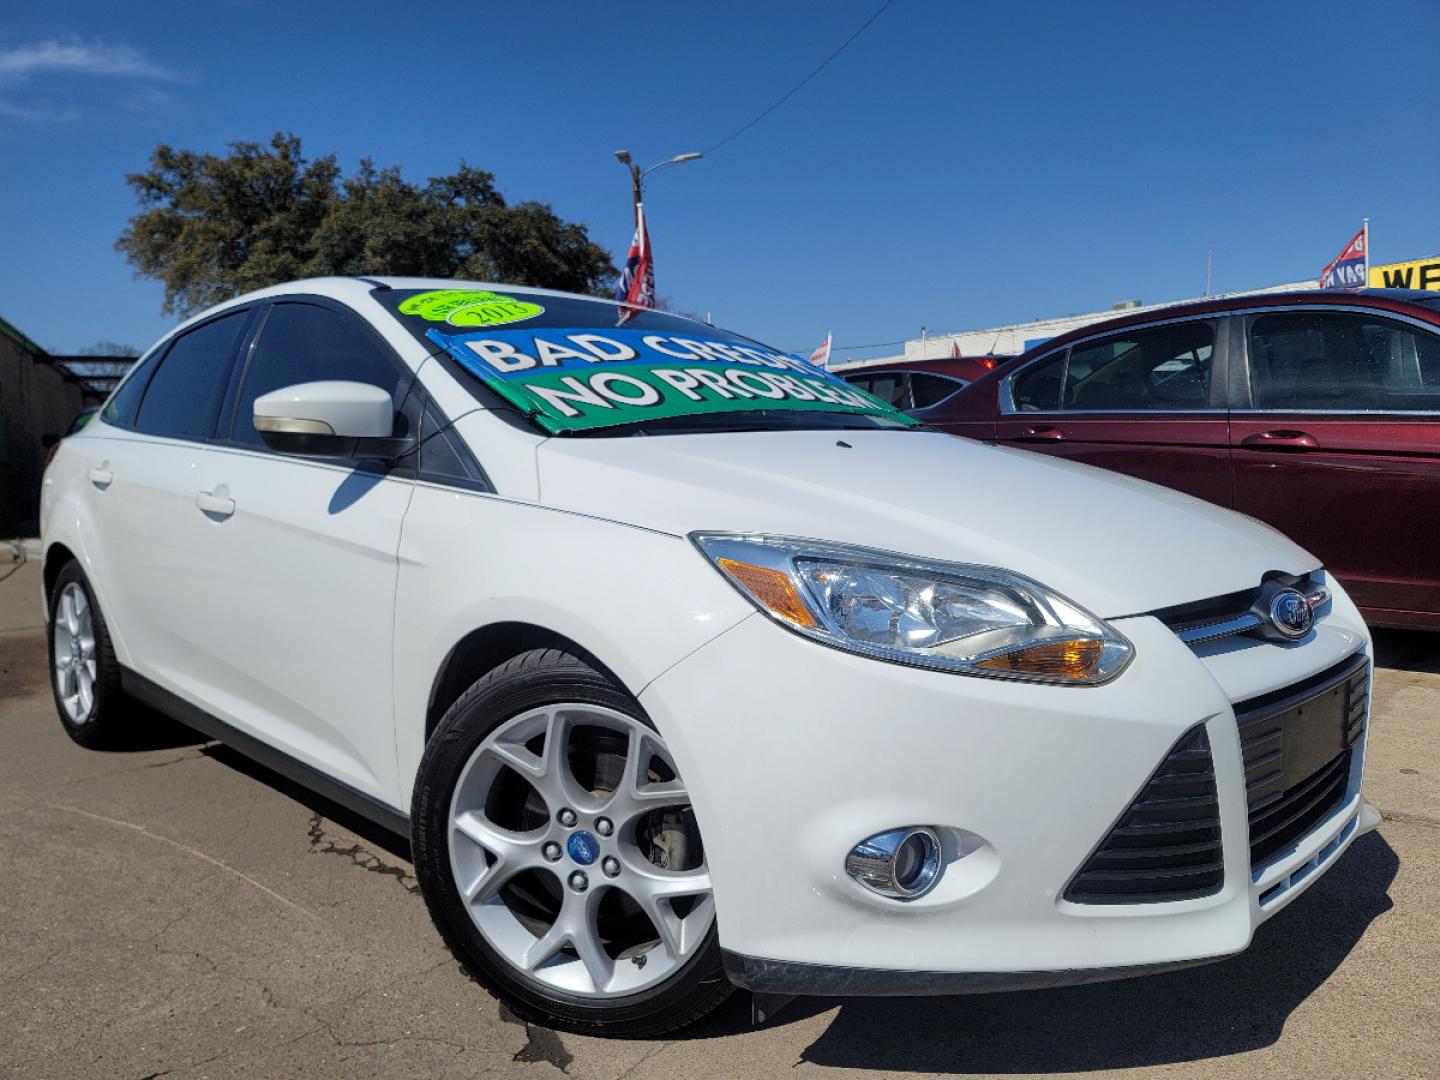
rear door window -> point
(891, 388)
(183, 396)
(927, 390)
(1342, 362)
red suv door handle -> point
(1040, 433)
(1280, 440)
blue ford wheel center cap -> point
(583, 848)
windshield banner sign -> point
(574, 379)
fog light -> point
(901, 864)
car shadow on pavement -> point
(152, 731)
(373, 834)
(1407, 650)
(1232, 1007)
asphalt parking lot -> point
(178, 911)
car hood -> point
(1112, 544)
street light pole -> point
(637, 174)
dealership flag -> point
(821, 356)
(1351, 268)
(637, 280)
(955, 351)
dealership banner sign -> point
(574, 379)
(1416, 274)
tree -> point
(210, 227)
(105, 347)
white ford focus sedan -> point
(685, 665)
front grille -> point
(1166, 845)
(1297, 743)
(1235, 613)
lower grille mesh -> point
(1297, 748)
(1166, 845)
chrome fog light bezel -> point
(874, 863)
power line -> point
(799, 86)
(875, 345)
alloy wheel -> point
(74, 655)
(574, 849)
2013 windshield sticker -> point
(469, 307)
(571, 379)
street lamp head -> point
(678, 158)
(623, 156)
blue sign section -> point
(514, 354)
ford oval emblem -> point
(583, 848)
(1291, 614)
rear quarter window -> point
(183, 396)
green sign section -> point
(469, 307)
(576, 379)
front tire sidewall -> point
(695, 988)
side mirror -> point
(329, 419)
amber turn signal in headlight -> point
(771, 589)
(1077, 661)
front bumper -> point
(793, 752)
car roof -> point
(1405, 301)
(351, 288)
(936, 365)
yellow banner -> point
(1420, 274)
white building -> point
(1015, 339)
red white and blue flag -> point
(821, 356)
(1350, 268)
(637, 280)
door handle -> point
(1040, 433)
(1283, 439)
(101, 476)
(216, 505)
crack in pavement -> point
(1404, 817)
(196, 755)
(145, 831)
(322, 844)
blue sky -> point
(962, 165)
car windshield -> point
(573, 366)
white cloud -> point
(36, 114)
(77, 58)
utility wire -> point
(799, 86)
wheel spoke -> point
(64, 678)
(67, 612)
(546, 946)
(637, 794)
(87, 692)
(513, 852)
(655, 893)
(579, 915)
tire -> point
(102, 717)
(520, 854)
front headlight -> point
(974, 620)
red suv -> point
(1318, 412)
